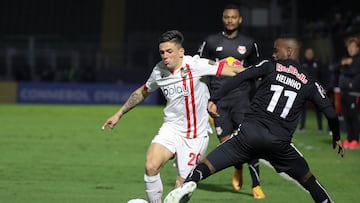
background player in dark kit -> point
(313, 67)
(233, 48)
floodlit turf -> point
(58, 154)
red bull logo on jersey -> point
(292, 70)
(241, 49)
(232, 61)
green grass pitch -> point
(58, 154)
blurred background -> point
(115, 41)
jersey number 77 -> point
(278, 91)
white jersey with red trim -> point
(186, 95)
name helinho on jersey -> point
(288, 81)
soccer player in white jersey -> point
(185, 129)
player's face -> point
(231, 19)
(281, 51)
(352, 48)
(309, 54)
(171, 54)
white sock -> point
(153, 188)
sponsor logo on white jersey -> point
(173, 90)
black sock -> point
(254, 172)
(200, 172)
(317, 191)
(238, 166)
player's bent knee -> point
(151, 169)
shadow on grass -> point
(220, 188)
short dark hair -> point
(352, 40)
(288, 36)
(232, 6)
(291, 37)
(172, 36)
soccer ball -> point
(137, 200)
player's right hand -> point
(111, 122)
(341, 149)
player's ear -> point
(240, 20)
(182, 52)
(289, 52)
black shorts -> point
(232, 113)
(253, 142)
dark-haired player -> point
(268, 127)
(233, 48)
(184, 132)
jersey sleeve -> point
(151, 84)
(204, 66)
(319, 97)
(322, 102)
(203, 50)
(254, 56)
(259, 70)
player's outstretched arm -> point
(231, 70)
(334, 125)
(135, 98)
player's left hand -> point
(212, 109)
(341, 149)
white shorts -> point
(189, 152)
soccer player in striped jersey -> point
(185, 129)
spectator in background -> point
(349, 83)
(314, 69)
(233, 48)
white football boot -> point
(181, 194)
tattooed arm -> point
(135, 98)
